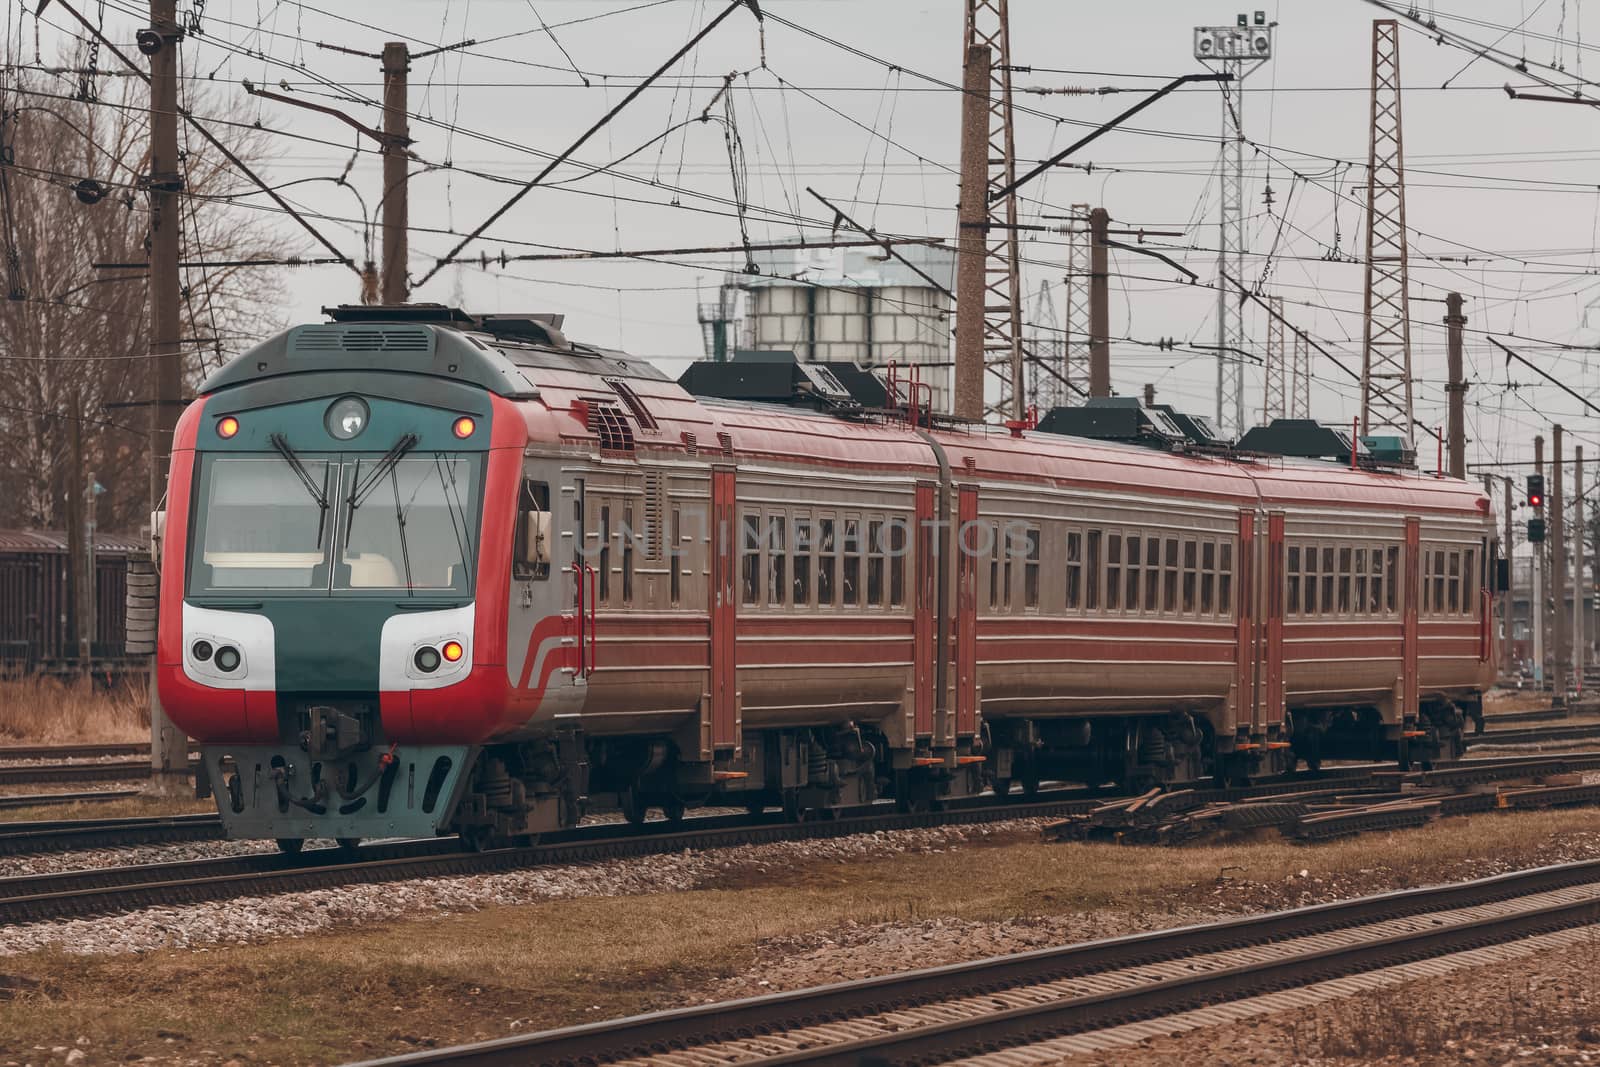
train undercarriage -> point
(350, 784)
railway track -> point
(1012, 1002)
(43, 800)
(62, 835)
(115, 890)
(131, 770)
(1536, 734)
(66, 752)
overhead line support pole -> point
(396, 196)
(1099, 304)
(1507, 618)
(1536, 610)
(169, 748)
(973, 217)
(1558, 563)
(1579, 617)
(1457, 388)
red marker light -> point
(452, 651)
(227, 426)
(464, 427)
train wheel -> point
(674, 811)
(347, 844)
(1002, 788)
(291, 846)
(477, 839)
(755, 809)
(633, 806)
(1403, 759)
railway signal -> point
(1535, 531)
(1536, 495)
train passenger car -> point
(428, 572)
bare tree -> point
(74, 339)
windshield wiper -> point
(361, 488)
(320, 496)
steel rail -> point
(690, 1028)
(30, 838)
(105, 771)
(1536, 734)
(40, 800)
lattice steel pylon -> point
(1239, 51)
(1386, 353)
(1300, 378)
(1274, 402)
(1047, 368)
(988, 25)
(1077, 299)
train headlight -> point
(201, 650)
(347, 417)
(453, 651)
(227, 659)
(426, 659)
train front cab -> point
(326, 628)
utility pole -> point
(988, 23)
(1558, 567)
(1077, 301)
(1099, 304)
(1300, 378)
(1149, 394)
(76, 550)
(1457, 436)
(1274, 402)
(169, 748)
(973, 215)
(1577, 570)
(396, 206)
(1536, 602)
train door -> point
(966, 612)
(925, 622)
(1245, 633)
(1407, 690)
(1272, 699)
(724, 675)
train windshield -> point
(346, 525)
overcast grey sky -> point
(1508, 182)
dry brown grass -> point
(389, 987)
(128, 807)
(47, 711)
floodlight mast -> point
(1239, 50)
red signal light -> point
(227, 426)
(1535, 501)
(452, 651)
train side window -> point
(752, 558)
(1030, 569)
(675, 555)
(1327, 574)
(1391, 577)
(1113, 572)
(1439, 581)
(1169, 580)
(1007, 550)
(1309, 560)
(1074, 570)
(777, 559)
(605, 554)
(1131, 569)
(1375, 588)
(850, 585)
(827, 562)
(802, 561)
(1358, 601)
(626, 535)
(1208, 577)
(1345, 574)
(874, 563)
(1292, 577)
(1455, 583)
(1225, 579)
(531, 547)
(897, 563)
(1469, 582)
(996, 547)
(1425, 604)
(1091, 588)
(1152, 574)
(1190, 561)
